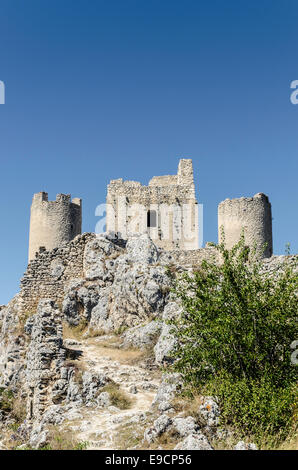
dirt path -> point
(109, 427)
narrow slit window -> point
(151, 219)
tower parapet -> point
(53, 222)
(251, 215)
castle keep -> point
(166, 209)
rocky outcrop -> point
(13, 343)
(121, 288)
(241, 445)
(112, 287)
(210, 412)
(142, 337)
(46, 373)
(169, 387)
(194, 442)
(166, 343)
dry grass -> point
(74, 332)
(117, 396)
(187, 406)
(130, 435)
(168, 440)
(63, 440)
(290, 444)
(113, 342)
(92, 333)
(111, 349)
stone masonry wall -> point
(48, 273)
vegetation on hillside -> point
(234, 342)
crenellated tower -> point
(53, 222)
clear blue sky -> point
(97, 90)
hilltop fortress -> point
(115, 284)
(165, 211)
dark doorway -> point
(151, 219)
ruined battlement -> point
(166, 209)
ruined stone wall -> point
(52, 272)
(251, 214)
(190, 258)
(171, 198)
(165, 180)
(53, 222)
(48, 273)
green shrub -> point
(234, 340)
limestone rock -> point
(185, 426)
(210, 411)
(160, 425)
(45, 373)
(121, 287)
(57, 268)
(54, 414)
(166, 343)
(95, 255)
(241, 445)
(164, 406)
(142, 337)
(195, 441)
(39, 436)
(169, 387)
(99, 318)
(92, 383)
(141, 249)
(13, 344)
(104, 399)
(79, 302)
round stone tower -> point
(251, 214)
(53, 222)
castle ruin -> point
(166, 209)
(250, 216)
(53, 222)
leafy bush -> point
(234, 340)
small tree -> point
(234, 338)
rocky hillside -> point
(87, 370)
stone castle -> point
(166, 209)
(85, 298)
